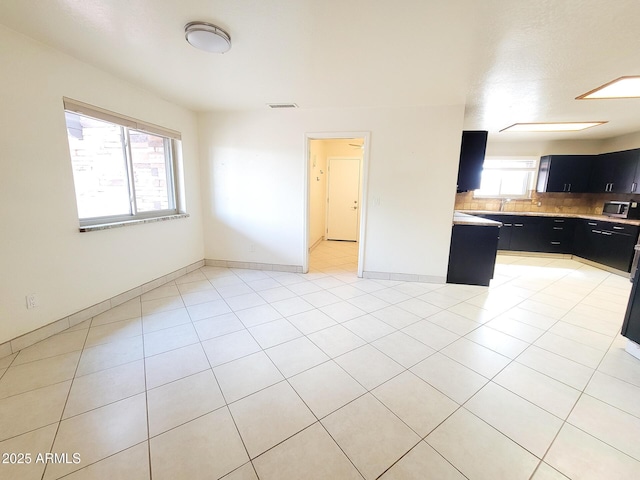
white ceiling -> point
(508, 60)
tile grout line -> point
(286, 379)
(540, 460)
(366, 343)
(226, 405)
(53, 442)
(146, 391)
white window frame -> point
(533, 178)
(172, 141)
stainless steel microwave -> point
(622, 209)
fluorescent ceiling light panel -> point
(623, 87)
(551, 127)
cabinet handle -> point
(634, 185)
(506, 224)
(592, 224)
(569, 188)
(596, 231)
(606, 233)
(618, 228)
(518, 225)
(558, 228)
(559, 221)
(555, 243)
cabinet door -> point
(631, 325)
(525, 234)
(504, 239)
(585, 240)
(616, 250)
(472, 150)
(564, 173)
(614, 172)
(625, 173)
(472, 255)
(617, 244)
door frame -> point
(363, 193)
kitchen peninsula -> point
(474, 244)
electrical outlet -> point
(32, 301)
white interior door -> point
(343, 193)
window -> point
(507, 177)
(123, 169)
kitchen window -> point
(507, 177)
(123, 169)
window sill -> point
(127, 223)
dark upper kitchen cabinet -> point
(474, 144)
(615, 172)
(564, 173)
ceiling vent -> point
(282, 105)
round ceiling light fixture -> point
(207, 37)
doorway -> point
(336, 172)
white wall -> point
(41, 249)
(254, 184)
(623, 142)
(538, 149)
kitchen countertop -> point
(601, 218)
(466, 219)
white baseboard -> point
(254, 266)
(404, 277)
(26, 340)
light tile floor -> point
(241, 374)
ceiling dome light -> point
(207, 37)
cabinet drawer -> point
(557, 246)
(618, 227)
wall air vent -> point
(282, 105)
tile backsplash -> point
(579, 203)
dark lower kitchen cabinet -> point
(472, 256)
(631, 324)
(557, 234)
(608, 243)
(520, 233)
(584, 241)
(504, 240)
(525, 236)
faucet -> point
(503, 202)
